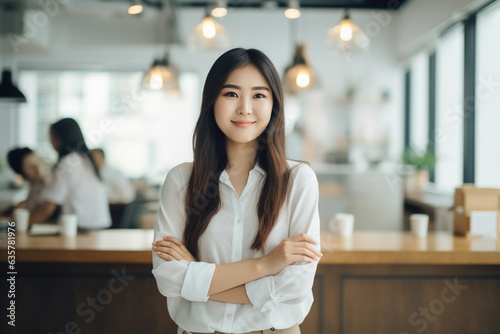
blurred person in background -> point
(76, 184)
(119, 189)
(26, 163)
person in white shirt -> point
(236, 241)
(118, 187)
(28, 164)
(76, 184)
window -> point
(488, 98)
(419, 107)
(449, 109)
(143, 133)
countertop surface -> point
(364, 247)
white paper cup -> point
(419, 224)
(343, 223)
(21, 218)
(68, 225)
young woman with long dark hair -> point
(236, 241)
(76, 184)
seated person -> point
(76, 184)
(118, 187)
(26, 163)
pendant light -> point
(293, 9)
(299, 76)
(8, 90)
(220, 9)
(347, 37)
(161, 76)
(135, 8)
(208, 35)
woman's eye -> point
(231, 94)
(259, 95)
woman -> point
(76, 184)
(236, 242)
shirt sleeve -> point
(293, 284)
(190, 280)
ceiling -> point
(358, 4)
(355, 4)
(118, 6)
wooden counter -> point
(365, 247)
(374, 282)
(105, 246)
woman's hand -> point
(294, 249)
(172, 249)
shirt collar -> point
(224, 176)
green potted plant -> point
(421, 160)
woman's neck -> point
(241, 157)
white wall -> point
(9, 136)
(419, 22)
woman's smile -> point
(244, 124)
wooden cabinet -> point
(402, 299)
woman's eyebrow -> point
(253, 88)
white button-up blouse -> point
(278, 301)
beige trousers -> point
(292, 330)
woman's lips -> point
(243, 124)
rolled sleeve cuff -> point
(261, 293)
(197, 281)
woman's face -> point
(243, 108)
(54, 140)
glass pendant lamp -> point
(208, 35)
(347, 37)
(161, 76)
(299, 75)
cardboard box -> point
(484, 223)
(468, 198)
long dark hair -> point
(70, 136)
(202, 200)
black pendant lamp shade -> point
(8, 91)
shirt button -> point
(238, 221)
(236, 253)
(228, 315)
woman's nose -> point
(245, 107)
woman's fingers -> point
(185, 253)
(303, 237)
(306, 252)
(165, 256)
(305, 245)
(311, 248)
(163, 243)
(170, 251)
(181, 252)
(174, 240)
